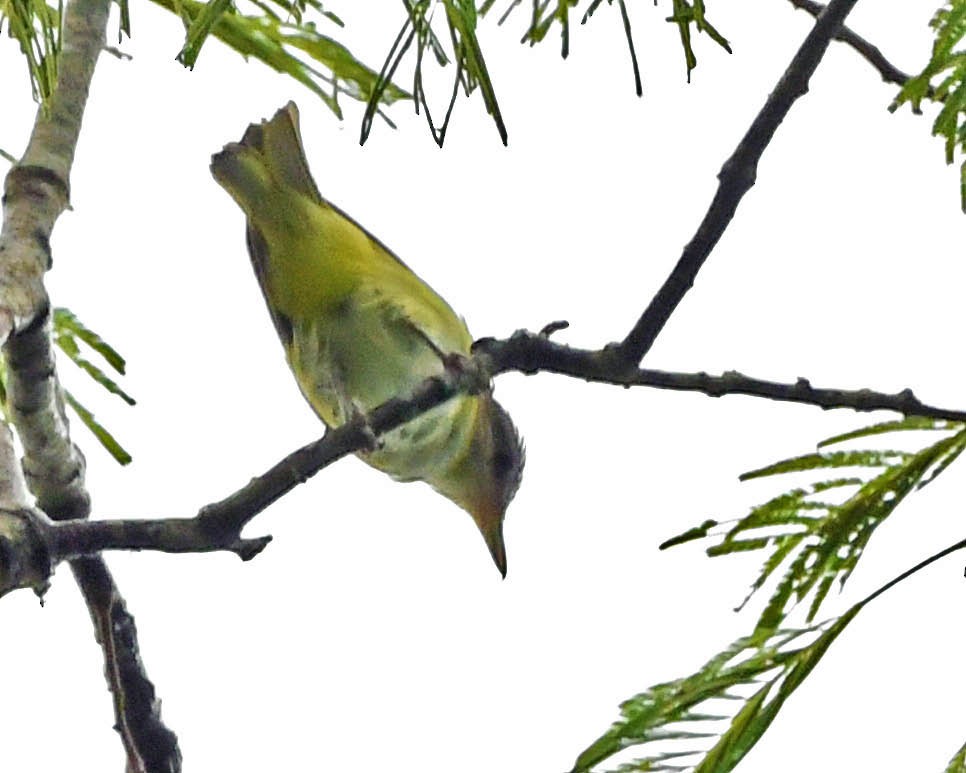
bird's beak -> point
(493, 536)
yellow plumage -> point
(359, 327)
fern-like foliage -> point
(456, 22)
(688, 15)
(943, 80)
(818, 532)
(282, 34)
(74, 339)
(958, 763)
(35, 26)
(708, 721)
(285, 35)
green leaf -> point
(68, 345)
(696, 532)
(66, 323)
(738, 546)
(947, 459)
(330, 69)
(69, 333)
(958, 763)
(688, 14)
(764, 662)
(828, 461)
(907, 423)
(461, 16)
(355, 78)
(36, 28)
(943, 81)
(124, 25)
(105, 438)
(819, 531)
(836, 541)
(471, 74)
(199, 29)
(68, 330)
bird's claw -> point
(468, 371)
(359, 418)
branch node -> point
(24, 557)
(32, 181)
(247, 549)
(553, 327)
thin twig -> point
(736, 178)
(871, 53)
(912, 570)
(531, 353)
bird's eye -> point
(502, 463)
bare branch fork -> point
(868, 51)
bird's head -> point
(483, 479)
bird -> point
(359, 327)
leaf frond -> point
(36, 27)
(72, 337)
(958, 763)
(282, 37)
(105, 438)
(943, 81)
(755, 675)
(819, 531)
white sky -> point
(374, 633)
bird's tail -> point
(268, 158)
(268, 177)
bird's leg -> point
(463, 366)
(352, 413)
(358, 417)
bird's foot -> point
(467, 371)
(359, 418)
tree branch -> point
(871, 53)
(53, 465)
(218, 526)
(40, 543)
(531, 353)
(36, 193)
(37, 189)
(736, 177)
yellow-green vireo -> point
(359, 327)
